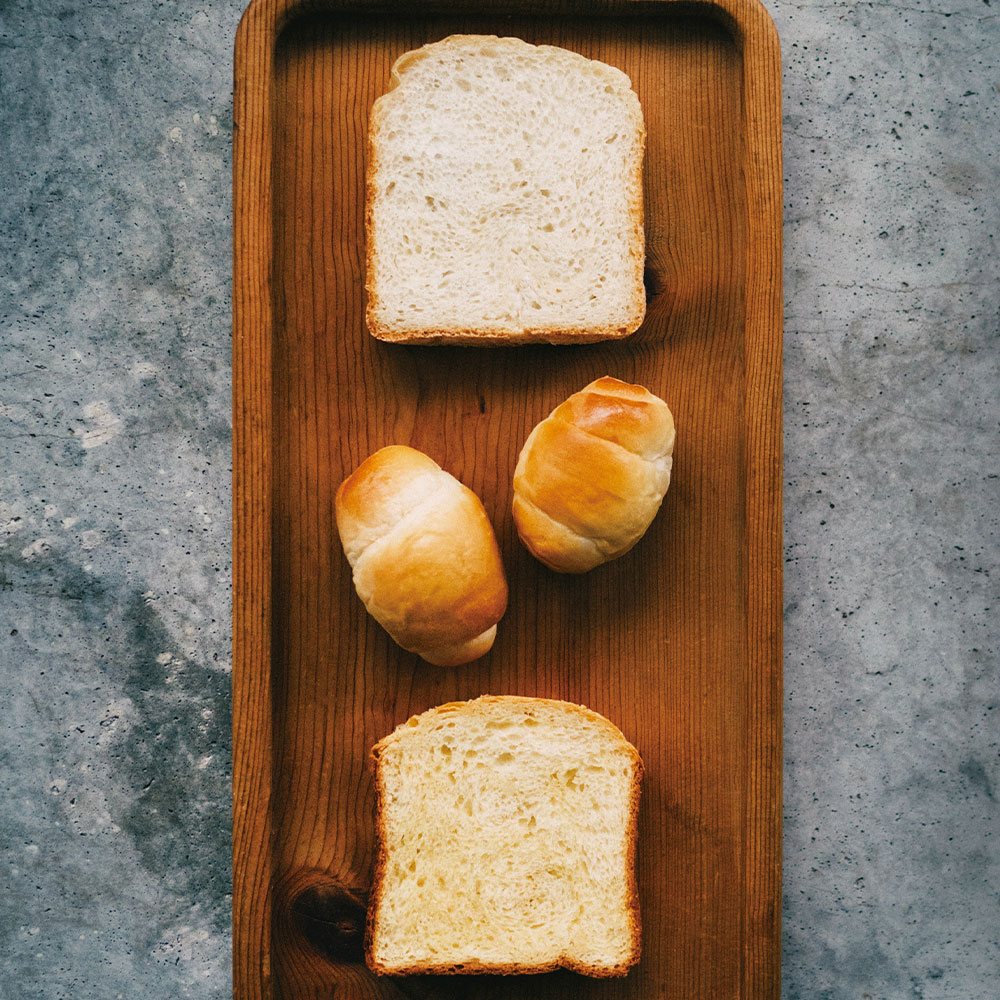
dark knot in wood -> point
(332, 919)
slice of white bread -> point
(504, 197)
(507, 833)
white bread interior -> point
(507, 831)
(504, 197)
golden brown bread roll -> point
(592, 475)
(425, 559)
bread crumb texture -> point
(504, 196)
(507, 836)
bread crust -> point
(425, 558)
(485, 337)
(507, 969)
(591, 476)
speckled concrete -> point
(892, 381)
(115, 136)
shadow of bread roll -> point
(424, 556)
(592, 475)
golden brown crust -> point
(371, 296)
(362, 497)
(479, 337)
(491, 338)
(591, 476)
(551, 543)
(506, 969)
(425, 558)
(378, 876)
(624, 414)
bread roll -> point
(592, 475)
(424, 555)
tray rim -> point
(260, 26)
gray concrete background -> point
(115, 138)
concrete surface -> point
(115, 137)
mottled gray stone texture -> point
(892, 381)
(115, 144)
(115, 148)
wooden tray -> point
(678, 642)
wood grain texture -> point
(678, 642)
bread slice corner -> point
(507, 833)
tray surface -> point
(678, 642)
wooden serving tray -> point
(678, 643)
